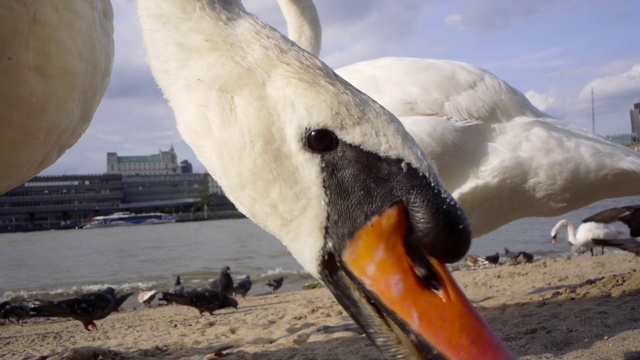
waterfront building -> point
(162, 163)
(635, 120)
(60, 201)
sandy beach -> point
(562, 308)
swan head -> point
(325, 169)
(556, 228)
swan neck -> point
(571, 232)
(303, 24)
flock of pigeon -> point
(513, 258)
(88, 308)
(595, 230)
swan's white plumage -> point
(582, 237)
(244, 96)
(303, 23)
(500, 157)
(55, 64)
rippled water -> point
(55, 263)
(142, 257)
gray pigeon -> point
(177, 286)
(204, 300)
(85, 308)
(120, 299)
(224, 282)
(275, 284)
(242, 287)
(17, 312)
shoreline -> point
(556, 308)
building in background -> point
(186, 167)
(150, 183)
(635, 120)
(162, 163)
(623, 139)
(63, 201)
(629, 140)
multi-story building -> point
(60, 201)
(132, 183)
(635, 119)
(165, 190)
(163, 163)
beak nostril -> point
(444, 235)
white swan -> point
(324, 168)
(500, 157)
(55, 64)
(581, 239)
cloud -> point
(353, 31)
(541, 101)
(616, 87)
(493, 15)
(614, 96)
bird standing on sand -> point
(523, 257)
(242, 287)
(599, 226)
(204, 300)
(85, 308)
(493, 259)
(474, 261)
(120, 299)
(178, 288)
(16, 312)
(146, 297)
(275, 284)
(224, 282)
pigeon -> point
(493, 259)
(242, 287)
(85, 308)
(224, 282)
(275, 284)
(146, 297)
(204, 300)
(526, 257)
(177, 286)
(510, 255)
(17, 312)
(120, 299)
(3, 305)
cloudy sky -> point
(554, 51)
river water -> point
(54, 264)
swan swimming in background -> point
(325, 169)
(500, 157)
(55, 63)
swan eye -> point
(322, 140)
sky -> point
(553, 51)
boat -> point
(128, 218)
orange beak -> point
(442, 318)
(554, 239)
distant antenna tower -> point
(593, 114)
